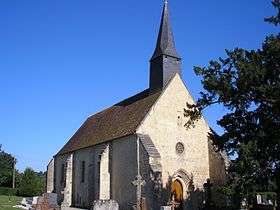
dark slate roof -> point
(165, 42)
(119, 120)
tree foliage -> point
(275, 19)
(7, 162)
(247, 83)
(31, 183)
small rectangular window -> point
(83, 171)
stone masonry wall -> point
(85, 192)
(165, 126)
(124, 171)
(118, 158)
(80, 186)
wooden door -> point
(177, 193)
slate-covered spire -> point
(165, 41)
(165, 62)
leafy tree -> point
(7, 162)
(247, 83)
(275, 19)
(31, 183)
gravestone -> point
(24, 204)
(105, 205)
(35, 200)
(244, 203)
(26, 201)
(51, 198)
(259, 199)
(165, 208)
(46, 202)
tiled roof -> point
(120, 120)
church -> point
(139, 148)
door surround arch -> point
(185, 179)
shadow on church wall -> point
(194, 198)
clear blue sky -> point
(61, 61)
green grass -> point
(7, 202)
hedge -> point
(8, 191)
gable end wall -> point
(165, 126)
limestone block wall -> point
(80, 185)
(124, 171)
(50, 177)
(165, 126)
(109, 170)
(87, 190)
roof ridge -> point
(116, 104)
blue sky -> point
(61, 61)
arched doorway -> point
(177, 193)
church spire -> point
(165, 42)
(165, 62)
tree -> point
(7, 162)
(275, 19)
(31, 183)
(247, 83)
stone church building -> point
(141, 135)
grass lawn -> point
(6, 202)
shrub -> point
(8, 191)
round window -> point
(180, 147)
